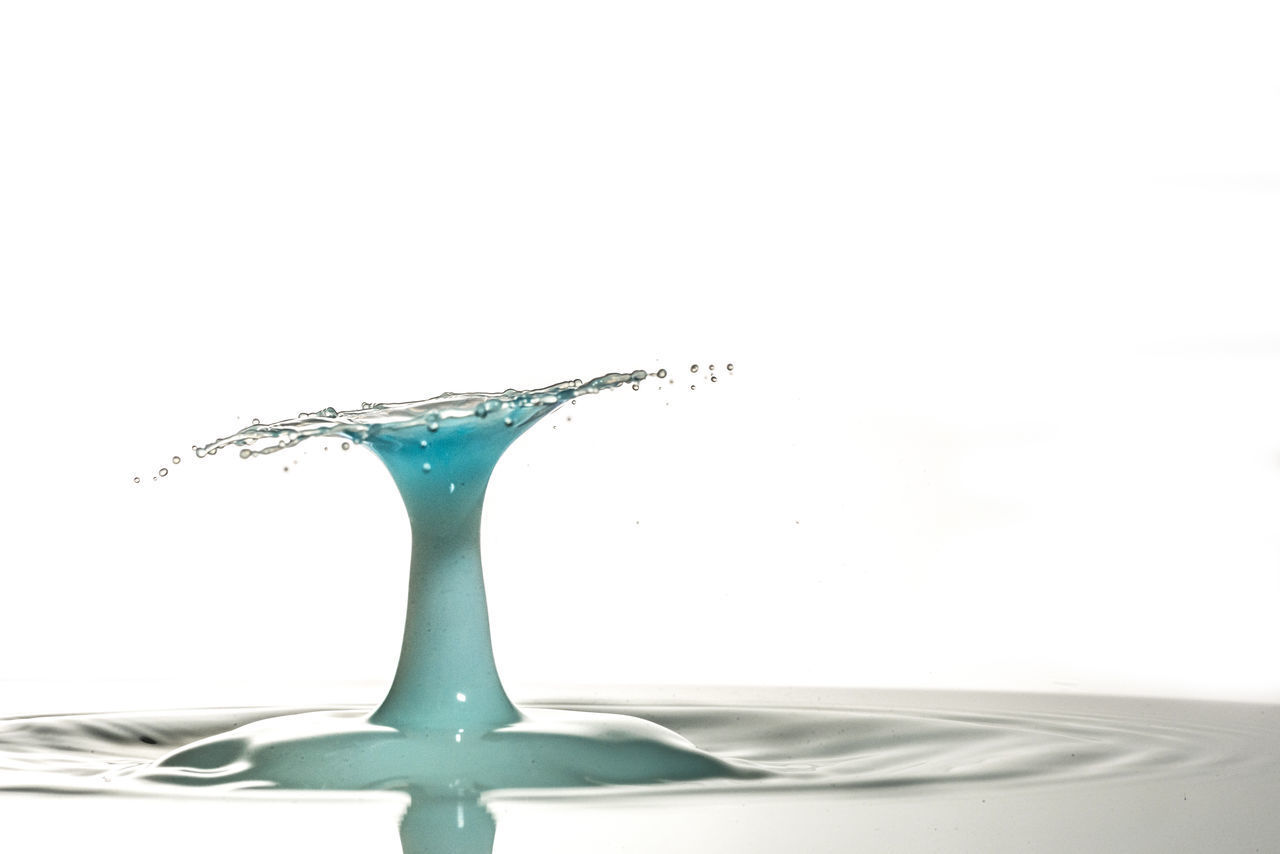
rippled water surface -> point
(848, 770)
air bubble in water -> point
(508, 421)
(422, 443)
(163, 472)
(433, 426)
(426, 467)
(662, 373)
(693, 369)
(245, 454)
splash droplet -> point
(257, 421)
(662, 373)
(245, 453)
(422, 443)
(635, 386)
(692, 387)
(433, 426)
(715, 379)
(137, 480)
(711, 367)
(693, 369)
(426, 467)
(508, 421)
(729, 367)
(346, 445)
(163, 472)
(177, 460)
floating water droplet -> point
(433, 426)
(711, 367)
(692, 387)
(729, 367)
(508, 421)
(177, 460)
(422, 443)
(257, 421)
(635, 386)
(163, 472)
(213, 451)
(715, 379)
(426, 467)
(137, 480)
(346, 445)
(662, 373)
(245, 454)
(693, 369)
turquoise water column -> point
(446, 677)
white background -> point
(999, 281)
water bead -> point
(257, 421)
(163, 472)
(729, 367)
(426, 467)
(662, 373)
(177, 460)
(711, 367)
(715, 379)
(422, 443)
(692, 387)
(346, 445)
(508, 421)
(693, 369)
(137, 480)
(635, 386)
(245, 454)
(433, 426)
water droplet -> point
(346, 445)
(635, 386)
(715, 379)
(163, 472)
(729, 366)
(257, 421)
(692, 387)
(177, 460)
(422, 443)
(137, 480)
(433, 426)
(426, 467)
(286, 468)
(711, 367)
(213, 451)
(508, 421)
(693, 369)
(662, 373)
(245, 454)
(153, 477)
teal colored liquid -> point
(446, 725)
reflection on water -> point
(433, 825)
